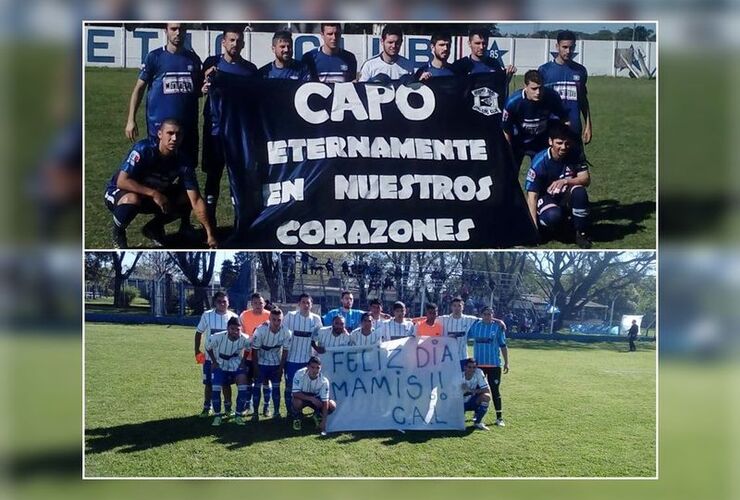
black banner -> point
(360, 165)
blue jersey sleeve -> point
(187, 174)
(534, 180)
(149, 68)
(134, 162)
(308, 61)
(509, 116)
(501, 336)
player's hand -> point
(586, 135)
(425, 76)
(558, 187)
(132, 130)
(162, 202)
(212, 242)
(320, 349)
(506, 368)
(510, 69)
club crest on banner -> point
(485, 101)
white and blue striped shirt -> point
(458, 328)
(318, 386)
(392, 330)
(228, 353)
(360, 339)
(212, 322)
(270, 345)
(304, 329)
(326, 338)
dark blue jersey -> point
(212, 106)
(468, 66)
(569, 81)
(545, 170)
(338, 68)
(445, 70)
(146, 165)
(295, 70)
(526, 121)
(173, 87)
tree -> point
(197, 267)
(229, 273)
(271, 271)
(119, 275)
(572, 279)
(97, 270)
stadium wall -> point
(114, 47)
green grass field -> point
(622, 153)
(572, 409)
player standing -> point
(351, 316)
(330, 63)
(490, 339)
(304, 325)
(213, 321)
(389, 64)
(251, 319)
(227, 352)
(366, 334)
(479, 60)
(399, 326)
(332, 336)
(269, 351)
(431, 326)
(438, 66)
(457, 325)
(284, 67)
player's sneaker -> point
(500, 422)
(228, 415)
(216, 421)
(481, 426)
(119, 237)
(297, 424)
(583, 240)
(154, 230)
(205, 413)
(239, 420)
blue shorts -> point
(221, 377)
(290, 371)
(470, 405)
(268, 372)
(207, 375)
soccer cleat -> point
(481, 426)
(500, 422)
(583, 240)
(228, 415)
(154, 230)
(239, 420)
(205, 413)
(297, 424)
(119, 237)
(216, 421)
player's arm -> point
(532, 198)
(128, 183)
(198, 336)
(585, 108)
(255, 360)
(201, 213)
(211, 355)
(283, 359)
(583, 178)
(132, 130)
(505, 355)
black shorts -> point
(213, 154)
(114, 194)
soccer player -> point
(269, 351)
(431, 326)
(227, 353)
(557, 181)
(399, 326)
(526, 117)
(438, 66)
(377, 316)
(389, 64)
(568, 78)
(304, 325)
(156, 178)
(476, 392)
(352, 316)
(213, 321)
(330, 63)
(230, 61)
(311, 389)
(366, 334)
(284, 67)
(172, 78)
(250, 320)
(479, 61)
(332, 336)
(457, 325)
(489, 338)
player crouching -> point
(556, 183)
(311, 389)
(476, 392)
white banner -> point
(406, 384)
(626, 323)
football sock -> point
(123, 214)
(480, 412)
(579, 204)
(241, 399)
(216, 399)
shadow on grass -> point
(396, 437)
(174, 240)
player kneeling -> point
(311, 389)
(476, 392)
(229, 367)
(556, 183)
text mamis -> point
(345, 99)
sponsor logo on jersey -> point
(531, 175)
(134, 158)
(344, 67)
(178, 84)
(576, 78)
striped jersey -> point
(325, 338)
(270, 345)
(476, 382)
(373, 68)
(318, 386)
(335, 68)
(212, 322)
(303, 329)
(358, 338)
(458, 328)
(228, 353)
(488, 338)
(351, 317)
(392, 330)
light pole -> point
(611, 314)
(552, 313)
